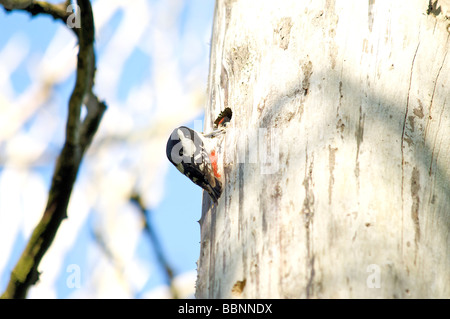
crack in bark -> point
(432, 95)
(430, 170)
(308, 214)
(359, 135)
(403, 134)
(331, 164)
(415, 188)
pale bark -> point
(354, 96)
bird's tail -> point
(216, 191)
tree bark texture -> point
(336, 163)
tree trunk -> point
(336, 163)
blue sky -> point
(176, 213)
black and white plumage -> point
(190, 152)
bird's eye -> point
(181, 152)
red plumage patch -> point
(221, 121)
(214, 165)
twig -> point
(57, 11)
(78, 137)
(137, 200)
(115, 262)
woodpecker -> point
(193, 154)
(223, 118)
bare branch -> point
(78, 137)
(116, 263)
(15, 4)
(57, 11)
(137, 200)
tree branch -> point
(78, 137)
(137, 200)
(57, 11)
(116, 263)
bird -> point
(194, 155)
